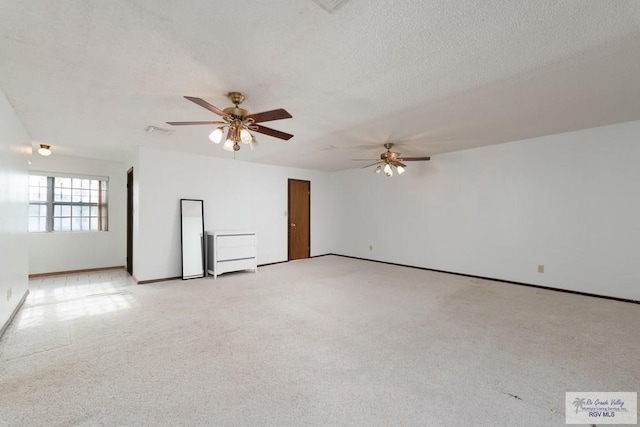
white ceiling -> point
(88, 76)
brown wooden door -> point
(299, 219)
(130, 221)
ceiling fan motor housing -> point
(236, 112)
(389, 156)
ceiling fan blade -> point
(397, 163)
(272, 132)
(195, 123)
(267, 116)
(414, 159)
(201, 102)
(372, 164)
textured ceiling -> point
(88, 76)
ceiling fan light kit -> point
(238, 122)
(390, 159)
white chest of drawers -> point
(232, 250)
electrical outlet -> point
(370, 247)
(9, 294)
(540, 268)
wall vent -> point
(158, 130)
(330, 5)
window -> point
(67, 203)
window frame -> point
(102, 204)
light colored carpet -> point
(324, 341)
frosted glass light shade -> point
(245, 136)
(400, 170)
(228, 145)
(216, 135)
(378, 169)
(44, 150)
(387, 169)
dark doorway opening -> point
(130, 221)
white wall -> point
(53, 252)
(570, 202)
(15, 149)
(236, 194)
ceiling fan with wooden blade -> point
(272, 132)
(238, 122)
(268, 116)
(390, 158)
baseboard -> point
(85, 270)
(13, 313)
(144, 282)
(165, 279)
(286, 260)
(568, 291)
(210, 272)
(271, 263)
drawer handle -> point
(293, 225)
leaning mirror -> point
(192, 238)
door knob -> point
(293, 225)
